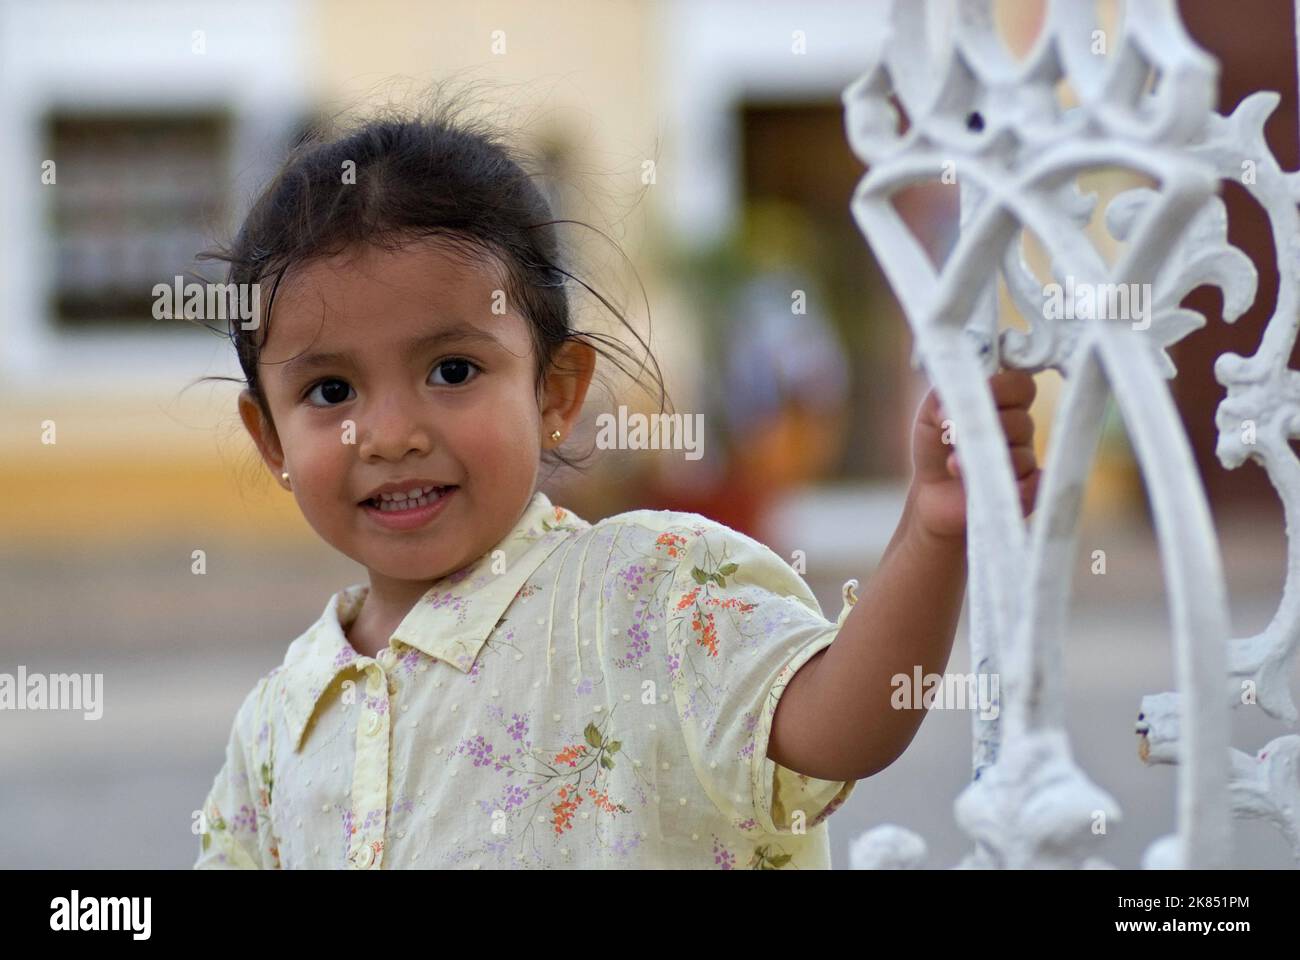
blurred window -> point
(134, 199)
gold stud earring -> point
(555, 434)
(284, 475)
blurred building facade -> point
(701, 137)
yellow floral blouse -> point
(584, 695)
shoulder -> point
(662, 534)
(699, 549)
(658, 521)
(251, 713)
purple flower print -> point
(480, 751)
(411, 661)
(512, 798)
(584, 686)
(722, 857)
(692, 703)
(377, 704)
(632, 577)
(748, 723)
(448, 600)
(347, 830)
(674, 663)
(345, 655)
(245, 819)
(638, 638)
(401, 806)
(624, 845)
(518, 728)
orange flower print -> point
(702, 622)
(602, 801)
(673, 542)
(571, 755)
(731, 603)
(708, 633)
(563, 811)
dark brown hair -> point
(430, 174)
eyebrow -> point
(308, 362)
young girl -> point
(515, 686)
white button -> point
(363, 856)
(372, 723)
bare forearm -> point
(835, 720)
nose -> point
(394, 425)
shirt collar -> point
(450, 622)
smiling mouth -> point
(400, 502)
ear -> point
(565, 388)
(262, 432)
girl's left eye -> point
(459, 369)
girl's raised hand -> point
(940, 500)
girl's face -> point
(388, 367)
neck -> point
(386, 604)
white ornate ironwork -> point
(995, 122)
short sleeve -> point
(740, 622)
(234, 830)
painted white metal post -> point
(996, 124)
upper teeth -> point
(409, 494)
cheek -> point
(503, 430)
(320, 455)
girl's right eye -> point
(330, 392)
